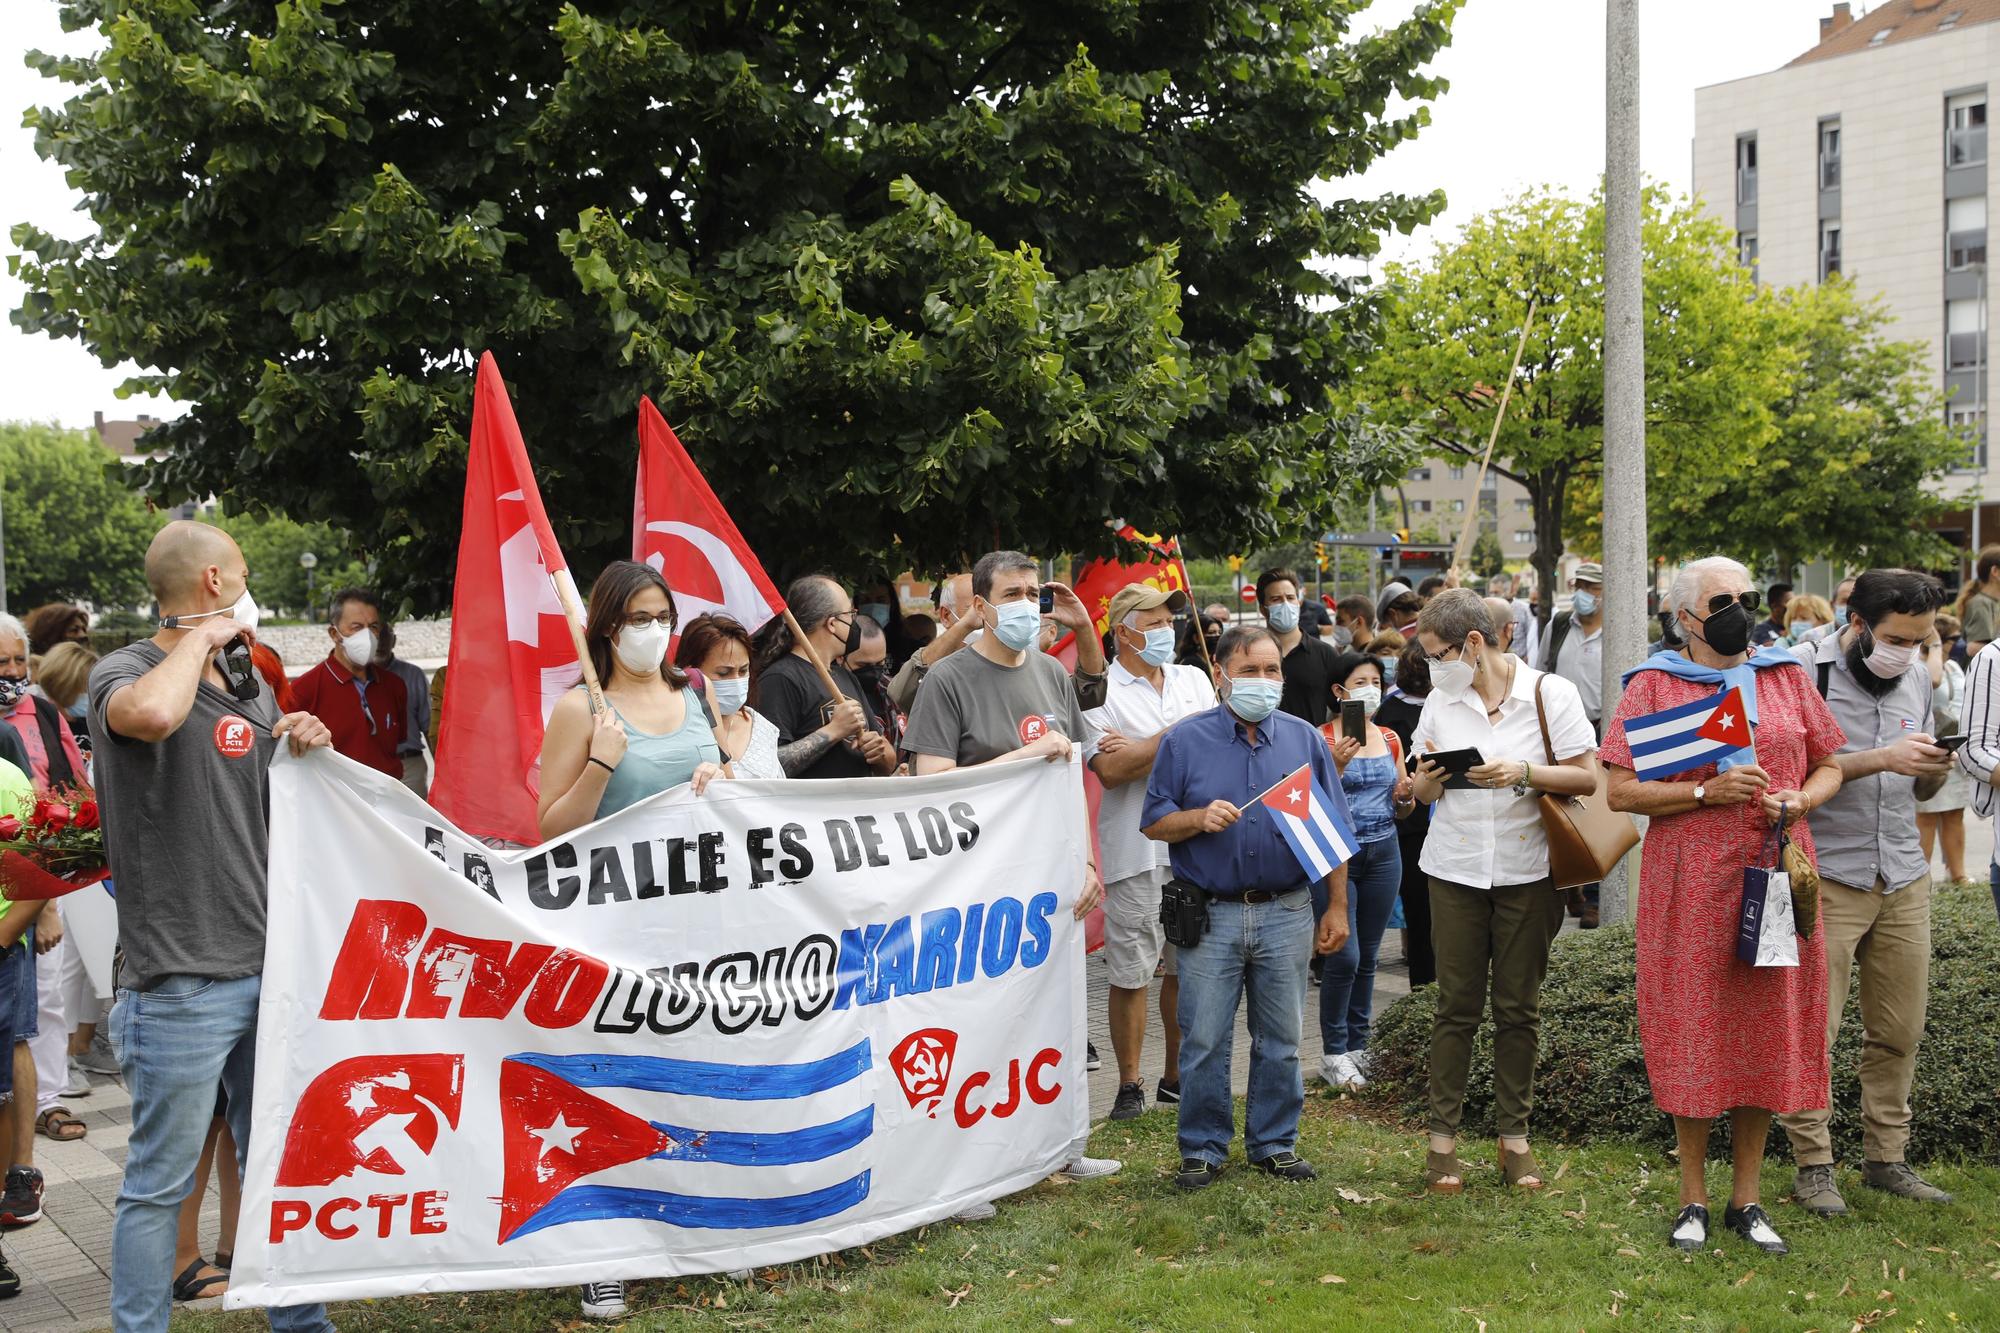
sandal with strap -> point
(192, 1286)
(1517, 1166)
(1440, 1165)
(59, 1124)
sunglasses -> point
(1749, 601)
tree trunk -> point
(1547, 493)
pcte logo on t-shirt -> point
(1033, 727)
(234, 737)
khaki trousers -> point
(1493, 940)
(1890, 935)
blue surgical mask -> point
(730, 695)
(1017, 624)
(1159, 649)
(1801, 628)
(1583, 602)
(1343, 637)
(1253, 698)
(877, 612)
(1283, 617)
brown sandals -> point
(1514, 1166)
(1440, 1165)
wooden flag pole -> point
(572, 606)
(1201, 639)
(1465, 535)
(812, 655)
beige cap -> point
(1144, 597)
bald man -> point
(180, 777)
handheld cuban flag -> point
(1712, 730)
(1311, 822)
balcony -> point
(1746, 185)
(1829, 263)
(1967, 147)
(1963, 249)
(1829, 173)
(1964, 351)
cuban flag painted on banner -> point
(1312, 823)
(686, 1143)
(1708, 731)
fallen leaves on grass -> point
(1744, 1281)
(1356, 1196)
(956, 1296)
(1331, 1279)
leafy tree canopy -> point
(911, 279)
(76, 530)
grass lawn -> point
(1361, 1249)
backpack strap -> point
(1825, 676)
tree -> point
(75, 529)
(1714, 362)
(912, 280)
(1848, 476)
(271, 546)
(1486, 556)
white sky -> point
(1526, 107)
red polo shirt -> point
(367, 723)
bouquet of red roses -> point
(57, 849)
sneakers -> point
(97, 1057)
(1898, 1179)
(1167, 1094)
(1691, 1229)
(1814, 1190)
(1131, 1103)
(1091, 1168)
(10, 1281)
(1754, 1224)
(1340, 1072)
(604, 1300)
(22, 1202)
(975, 1212)
(1196, 1174)
(78, 1084)
(1091, 1060)
(738, 1275)
(1287, 1165)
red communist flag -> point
(511, 652)
(682, 530)
(1157, 560)
(1728, 723)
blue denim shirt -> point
(1370, 788)
(1210, 757)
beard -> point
(1857, 653)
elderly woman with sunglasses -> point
(1720, 1035)
(1494, 911)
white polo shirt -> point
(1580, 661)
(1484, 837)
(1137, 711)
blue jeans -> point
(176, 1043)
(1259, 950)
(1347, 978)
(1994, 879)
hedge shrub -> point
(1590, 1082)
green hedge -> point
(1590, 1083)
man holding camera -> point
(184, 734)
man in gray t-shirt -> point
(1000, 698)
(180, 773)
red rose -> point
(52, 817)
(10, 828)
(86, 815)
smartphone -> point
(1354, 721)
(1048, 600)
(1950, 744)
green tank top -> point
(654, 763)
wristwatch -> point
(1700, 794)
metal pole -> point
(1625, 563)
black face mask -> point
(1728, 630)
(871, 676)
(853, 635)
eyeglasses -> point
(1437, 659)
(1749, 601)
(647, 619)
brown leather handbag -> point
(1586, 836)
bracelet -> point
(1522, 785)
(601, 764)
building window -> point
(1523, 505)
(1458, 472)
(1420, 506)
(1965, 133)
(1950, 21)
(1746, 249)
(1524, 536)
(1746, 169)
(1965, 334)
(1881, 36)
(1970, 423)
(1829, 155)
(1829, 250)
(1420, 474)
(1965, 233)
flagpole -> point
(572, 606)
(1464, 547)
(1200, 638)
(812, 655)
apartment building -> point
(1437, 496)
(1868, 156)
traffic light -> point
(1319, 554)
(1236, 564)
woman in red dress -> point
(1720, 1035)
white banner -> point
(705, 1033)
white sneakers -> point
(604, 1300)
(975, 1212)
(1341, 1072)
(1091, 1168)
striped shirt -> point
(1979, 719)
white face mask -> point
(245, 612)
(1452, 678)
(359, 647)
(730, 695)
(1888, 660)
(1368, 696)
(640, 651)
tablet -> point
(1454, 762)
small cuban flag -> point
(1711, 730)
(1311, 823)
